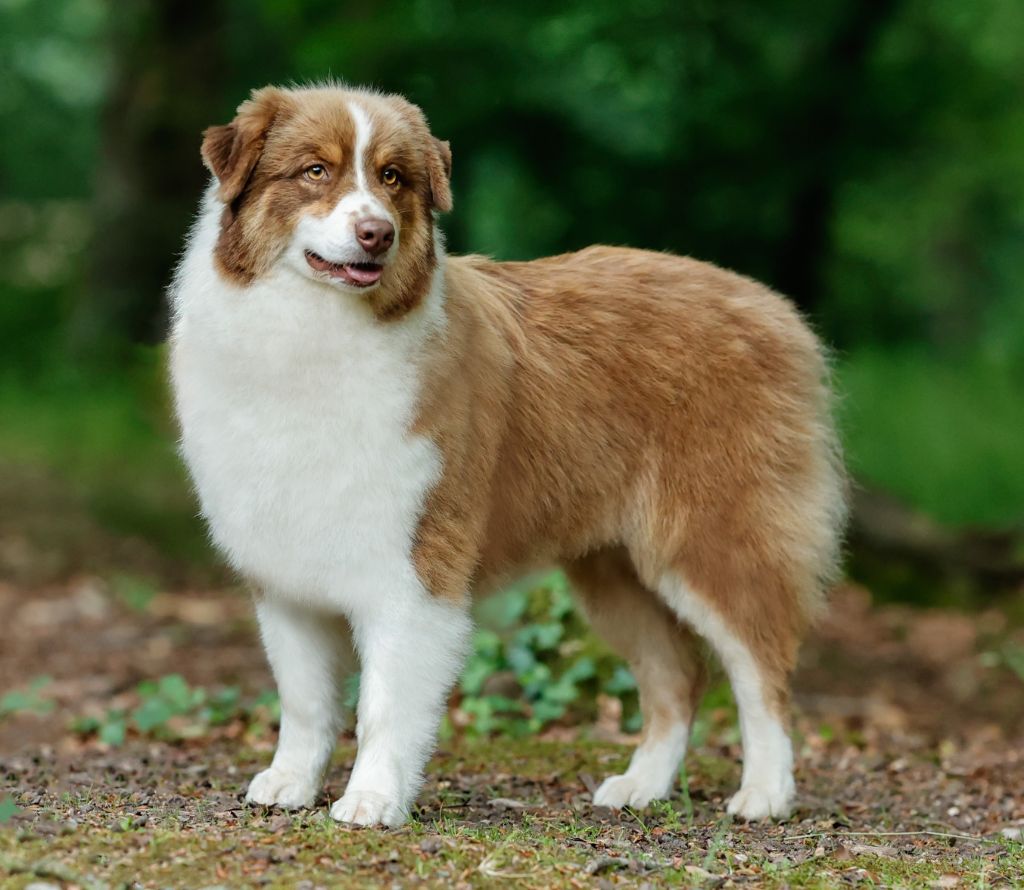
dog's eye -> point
(390, 177)
(315, 173)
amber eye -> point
(390, 177)
(316, 173)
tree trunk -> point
(169, 70)
(907, 553)
(837, 82)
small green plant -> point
(1013, 657)
(30, 700)
(8, 809)
(669, 818)
(534, 663)
(171, 709)
(724, 824)
(136, 593)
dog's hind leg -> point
(666, 660)
(757, 646)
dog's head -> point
(336, 185)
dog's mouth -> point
(356, 274)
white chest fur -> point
(295, 407)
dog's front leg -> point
(410, 655)
(308, 652)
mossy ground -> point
(909, 732)
(492, 813)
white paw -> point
(276, 788)
(368, 808)
(754, 802)
(627, 791)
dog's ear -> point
(232, 150)
(439, 166)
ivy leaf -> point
(8, 809)
(113, 730)
(152, 713)
(621, 681)
(175, 690)
(28, 700)
(474, 676)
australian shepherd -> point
(377, 430)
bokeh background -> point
(866, 159)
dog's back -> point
(649, 395)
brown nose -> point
(375, 235)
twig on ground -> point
(602, 864)
(488, 867)
(961, 837)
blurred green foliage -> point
(534, 666)
(168, 708)
(8, 809)
(29, 700)
(946, 435)
(865, 158)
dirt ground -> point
(910, 740)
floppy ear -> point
(232, 150)
(439, 166)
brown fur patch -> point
(616, 398)
(667, 659)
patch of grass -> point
(947, 437)
(532, 853)
(558, 841)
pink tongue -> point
(363, 274)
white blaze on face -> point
(361, 203)
(364, 129)
(333, 236)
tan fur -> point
(618, 398)
(666, 658)
(625, 413)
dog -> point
(376, 430)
